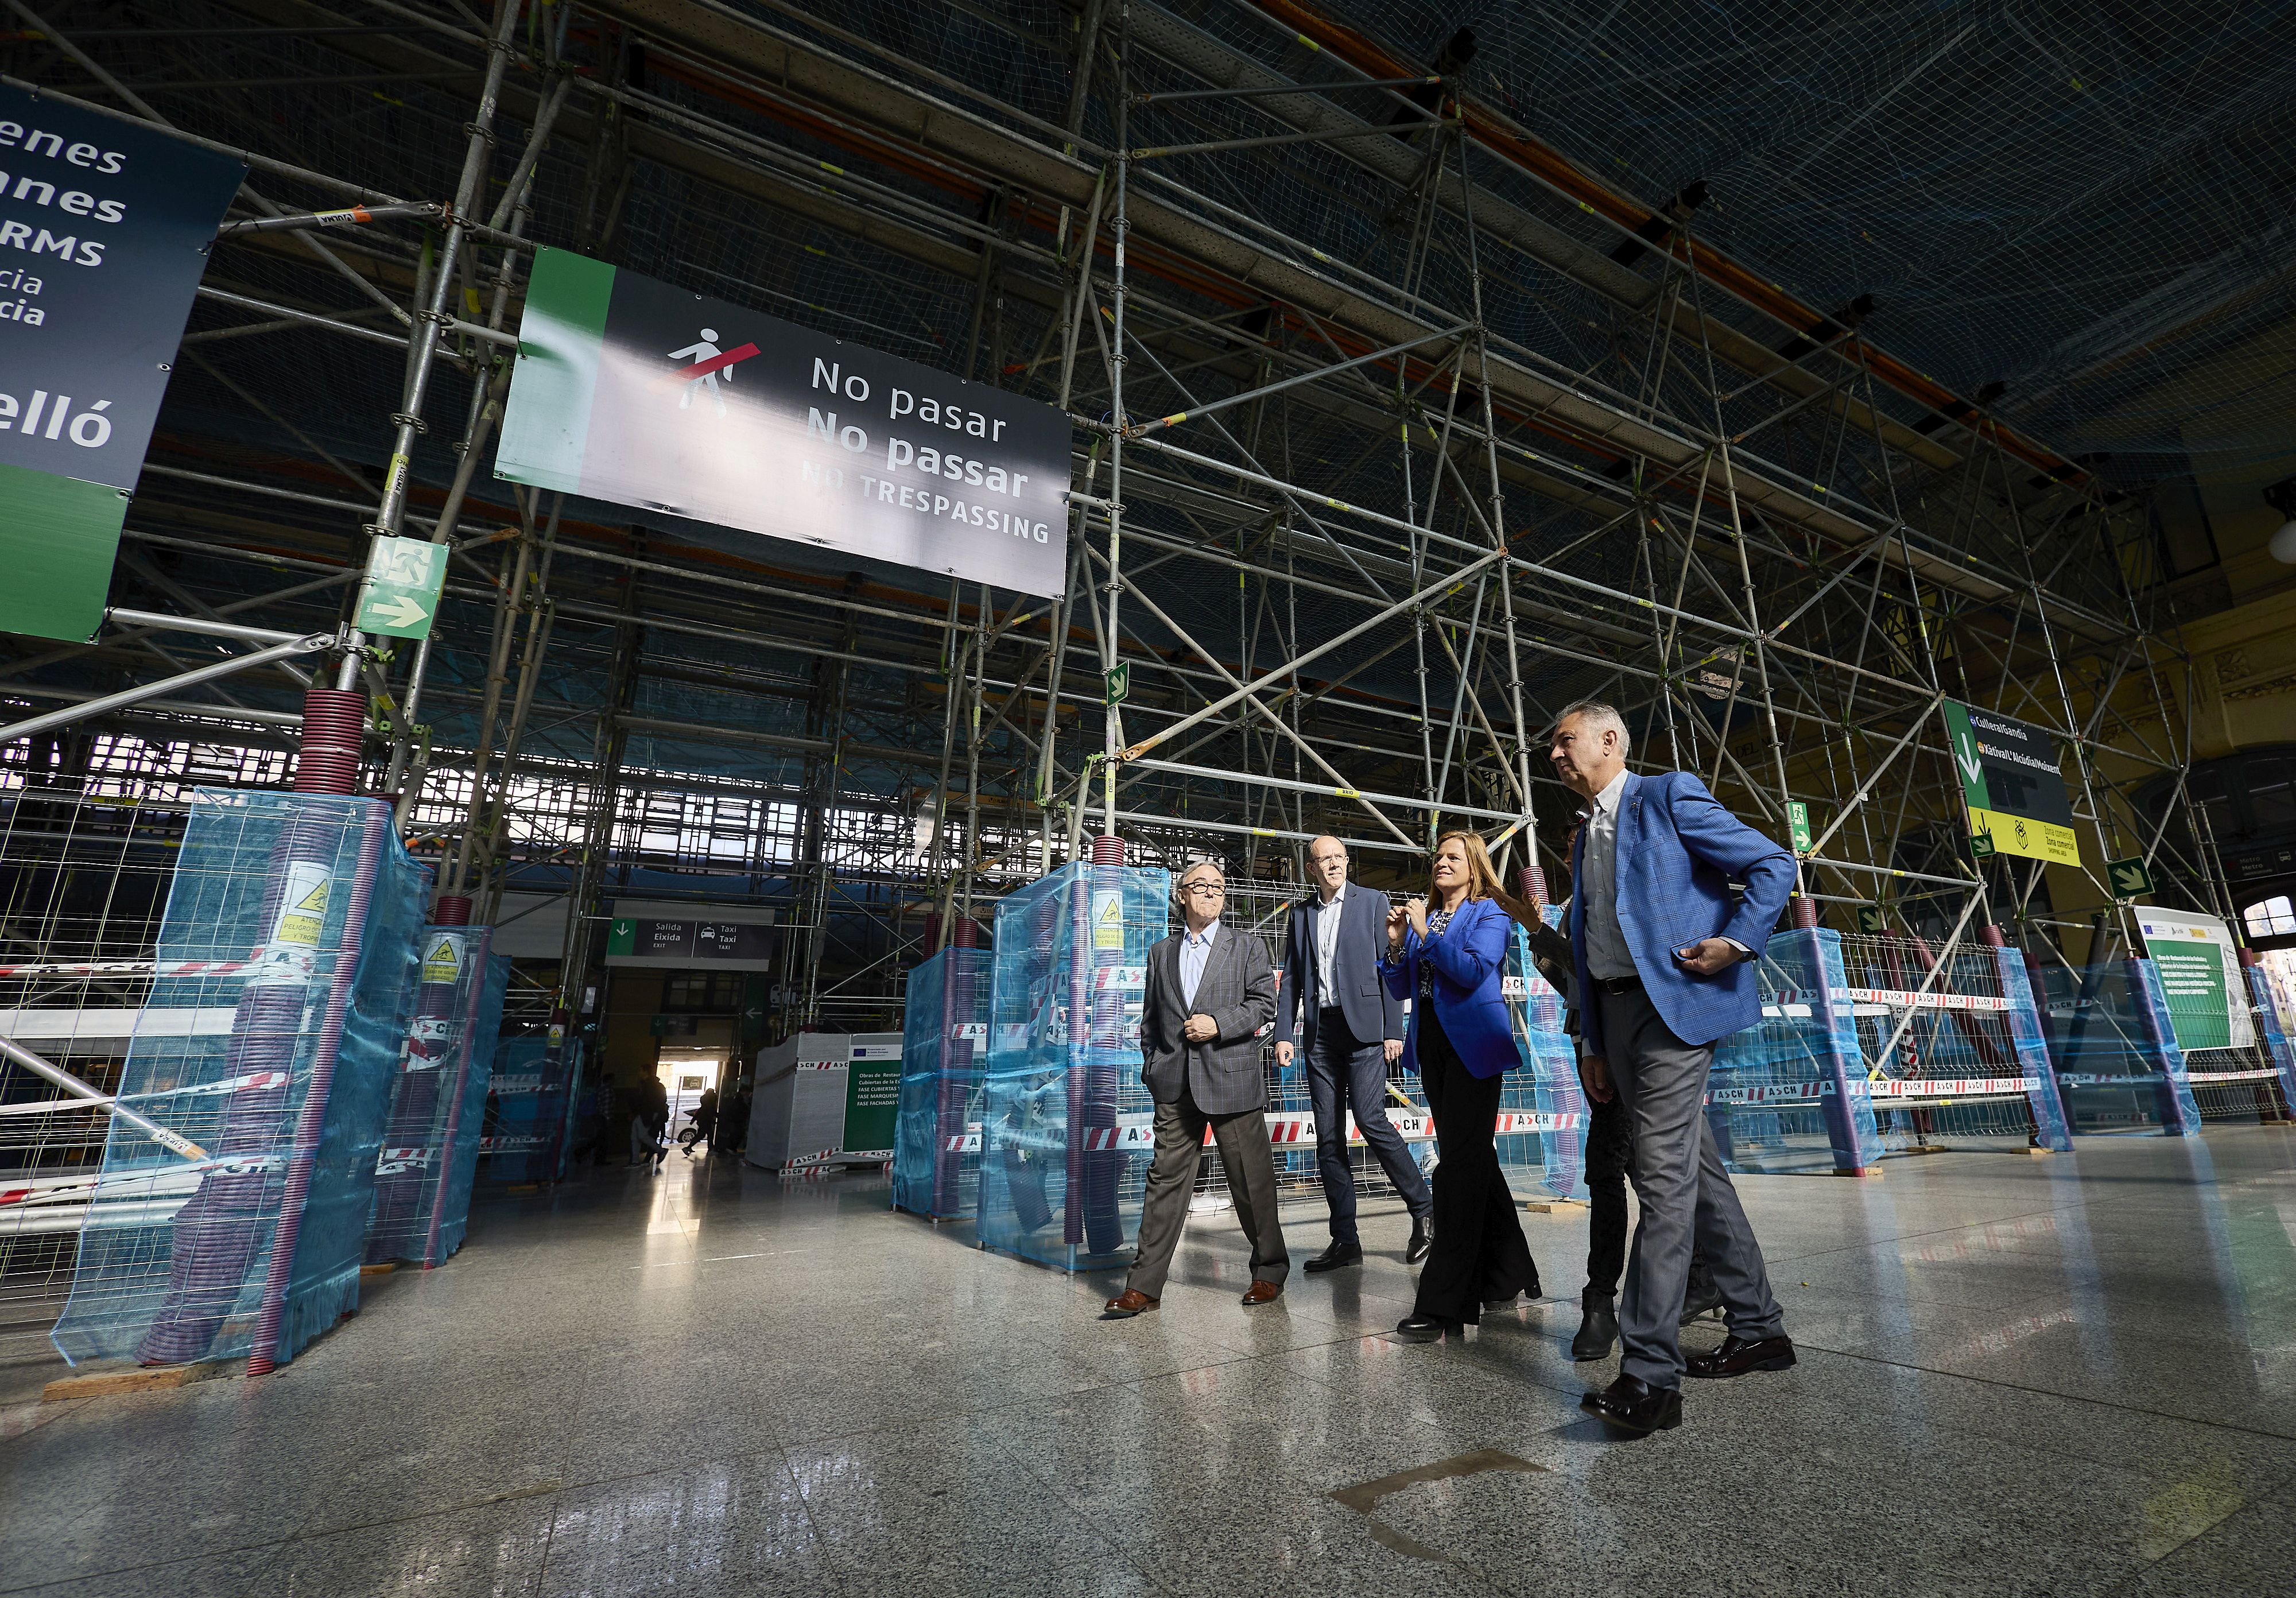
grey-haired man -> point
(1212, 990)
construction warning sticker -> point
(442, 957)
(1107, 918)
(303, 907)
(288, 956)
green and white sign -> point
(872, 1100)
(398, 596)
(2130, 879)
(1798, 825)
(2014, 786)
(2201, 976)
(1119, 682)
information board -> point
(630, 390)
(2013, 784)
(104, 231)
(640, 939)
(873, 1101)
(2201, 977)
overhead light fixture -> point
(2281, 497)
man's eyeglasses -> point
(1215, 889)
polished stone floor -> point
(2057, 1377)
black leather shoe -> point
(1422, 1238)
(1335, 1258)
(1702, 1299)
(1598, 1326)
(1425, 1328)
(1738, 1355)
(1632, 1404)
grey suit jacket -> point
(1238, 991)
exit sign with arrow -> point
(398, 595)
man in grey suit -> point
(1212, 990)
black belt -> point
(1615, 985)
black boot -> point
(1598, 1327)
(1701, 1297)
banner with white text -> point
(630, 390)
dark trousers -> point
(1250, 1166)
(1609, 1157)
(1344, 1073)
(1686, 1195)
(1480, 1252)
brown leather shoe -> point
(1263, 1292)
(1126, 1304)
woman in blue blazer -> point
(1450, 961)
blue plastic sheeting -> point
(1065, 1119)
(269, 1045)
(450, 1041)
(536, 1083)
(1549, 1155)
(2052, 1126)
(2273, 1035)
(944, 1049)
(1805, 1048)
(467, 1124)
(2107, 1042)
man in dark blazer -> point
(1352, 1030)
(1663, 952)
(1211, 991)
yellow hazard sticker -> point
(303, 907)
(1108, 920)
(442, 958)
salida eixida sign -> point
(104, 231)
(630, 390)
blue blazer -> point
(1470, 962)
(1678, 851)
(1373, 1015)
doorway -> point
(688, 1073)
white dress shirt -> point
(1328, 916)
(1195, 949)
(1607, 954)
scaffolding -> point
(1399, 426)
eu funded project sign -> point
(104, 231)
(630, 390)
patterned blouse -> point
(1436, 920)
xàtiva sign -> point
(104, 230)
(630, 390)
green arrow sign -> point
(621, 936)
(2130, 879)
(1119, 682)
(1798, 824)
(1870, 920)
(398, 596)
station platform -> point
(2068, 1376)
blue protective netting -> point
(536, 1086)
(944, 1046)
(468, 1124)
(1790, 1088)
(448, 1051)
(2111, 1071)
(1065, 1139)
(270, 1041)
(1548, 1153)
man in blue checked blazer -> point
(1664, 954)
